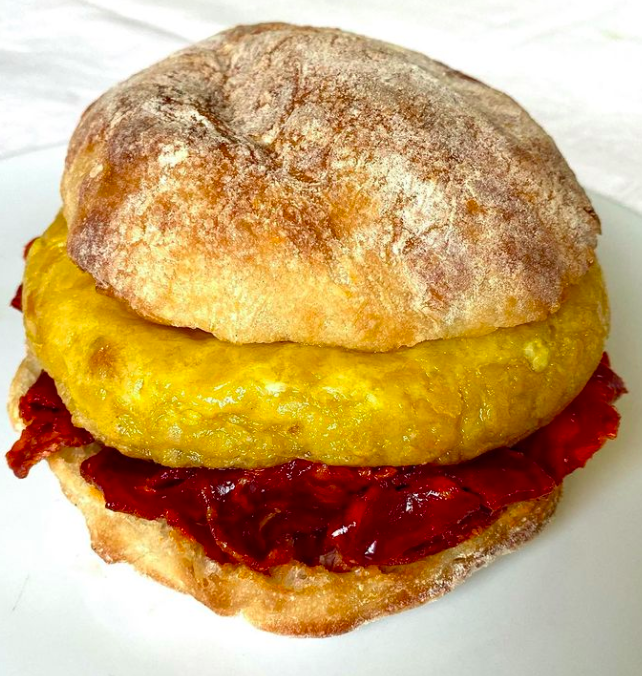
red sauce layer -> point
(342, 517)
(48, 427)
(16, 301)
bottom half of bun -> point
(294, 599)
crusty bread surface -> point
(286, 183)
(294, 599)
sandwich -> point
(318, 331)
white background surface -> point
(570, 603)
(576, 65)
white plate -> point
(568, 603)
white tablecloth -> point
(576, 65)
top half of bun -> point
(282, 183)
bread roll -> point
(285, 183)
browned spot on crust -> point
(473, 207)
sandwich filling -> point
(337, 517)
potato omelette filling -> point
(183, 398)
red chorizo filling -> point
(337, 517)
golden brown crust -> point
(277, 182)
(295, 599)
